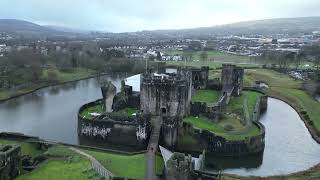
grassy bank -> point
(45, 80)
(284, 87)
(129, 166)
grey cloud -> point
(133, 15)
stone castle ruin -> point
(166, 94)
(10, 161)
(232, 80)
(165, 98)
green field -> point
(206, 96)
(129, 166)
(216, 55)
(74, 74)
(211, 64)
(282, 86)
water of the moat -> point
(51, 113)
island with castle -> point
(179, 113)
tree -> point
(317, 62)
(159, 57)
(36, 72)
(298, 60)
(204, 56)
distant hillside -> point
(29, 29)
(66, 29)
(19, 26)
(266, 27)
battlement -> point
(166, 94)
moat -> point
(54, 109)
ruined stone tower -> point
(166, 94)
(232, 79)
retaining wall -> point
(133, 134)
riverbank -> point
(290, 91)
(282, 87)
(310, 174)
(62, 78)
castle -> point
(164, 100)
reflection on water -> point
(289, 146)
(51, 113)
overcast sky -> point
(135, 15)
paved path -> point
(99, 168)
(152, 149)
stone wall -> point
(126, 98)
(218, 145)
(109, 129)
(232, 79)
(10, 161)
(200, 77)
(212, 112)
(169, 131)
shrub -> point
(303, 112)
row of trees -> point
(285, 59)
(26, 66)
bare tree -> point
(204, 57)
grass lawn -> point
(26, 148)
(207, 96)
(281, 85)
(86, 113)
(129, 166)
(236, 103)
(129, 111)
(216, 55)
(122, 165)
(60, 169)
(239, 133)
(76, 73)
(159, 165)
(72, 166)
(203, 123)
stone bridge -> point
(152, 149)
